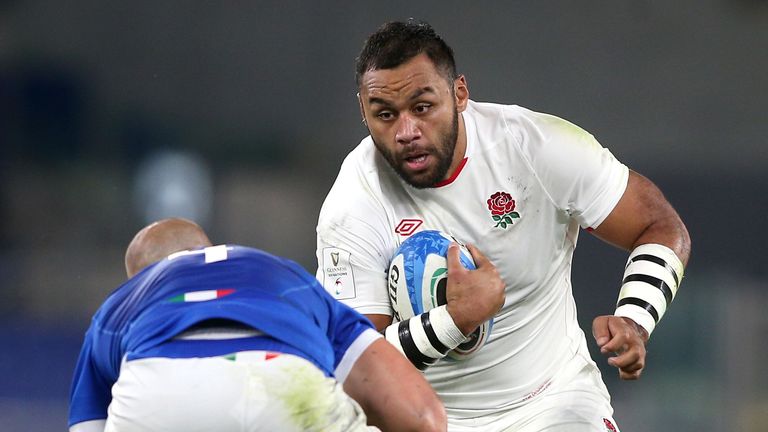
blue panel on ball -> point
(415, 250)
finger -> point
(616, 344)
(622, 336)
(630, 376)
(600, 330)
(630, 360)
(632, 371)
(480, 259)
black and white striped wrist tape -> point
(650, 283)
(424, 339)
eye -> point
(385, 115)
(422, 108)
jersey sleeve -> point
(581, 177)
(338, 335)
(352, 247)
(350, 334)
(90, 394)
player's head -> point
(396, 42)
(160, 239)
(410, 98)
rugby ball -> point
(418, 278)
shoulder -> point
(357, 191)
(510, 117)
(543, 137)
(523, 123)
(511, 126)
(360, 169)
(549, 129)
(266, 263)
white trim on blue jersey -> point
(363, 341)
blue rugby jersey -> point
(271, 294)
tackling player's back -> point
(221, 335)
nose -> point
(407, 129)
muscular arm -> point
(380, 321)
(393, 394)
(642, 216)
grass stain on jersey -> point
(306, 398)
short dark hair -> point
(396, 42)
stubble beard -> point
(443, 153)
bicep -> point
(643, 215)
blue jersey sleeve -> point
(345, 327)
(90, 394)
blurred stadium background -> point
(238, 114)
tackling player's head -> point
(160, 239)
(394, 43)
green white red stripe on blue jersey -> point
(198, 296)
(251, 356)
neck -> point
(461, 147)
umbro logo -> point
(407, 227)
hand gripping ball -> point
(418, 278)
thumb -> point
(454, 259)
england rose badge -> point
(502, 208)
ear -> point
(461, 92)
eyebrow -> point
(420, 91)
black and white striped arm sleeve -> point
(651, 278)
(424, 339)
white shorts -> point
(252, 392)
(575, 400)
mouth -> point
(416, 162)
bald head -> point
(160, 239)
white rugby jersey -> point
(528, 181)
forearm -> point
(668, 231)
(646, 224)
(393, 394)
